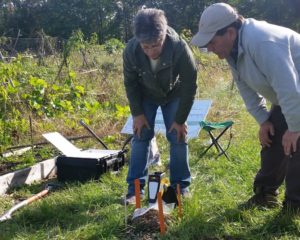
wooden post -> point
(162, 225)
(179, 201)
(137, 193)
(31, 134)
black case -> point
(83, 169)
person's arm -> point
(139, 122)
(289, 141)
(255, 103)
(276, 63)
(133, 91)
(256, 106)
(132, 86)
(266, 130)
(188, 77)
(181, 130)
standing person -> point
(265, 63)
(159, 70)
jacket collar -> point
(239, 47)
(240, 43)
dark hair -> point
(150, 25)
(236, 24)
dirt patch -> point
(146, 227)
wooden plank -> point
(37, 172)
(17, 152)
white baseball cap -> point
(213, 18)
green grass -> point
(219, 186)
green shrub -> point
(113, 45)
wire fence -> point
(41, 46)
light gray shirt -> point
(268, 67)
(154, 64)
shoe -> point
(266, 200)
(290, 207)
(130, 199)
(186, 195)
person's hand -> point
(266, 130)
(289, 141)
(138, 123)
(181, 130)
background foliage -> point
(53, 93)
(113, 18)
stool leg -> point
(223, 152)
(207, 149)
(220, 135)
(216, 144)
(213, 143)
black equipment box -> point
(83, 169)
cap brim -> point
(202, 39)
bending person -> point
(265, 63)
(159, 71)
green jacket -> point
(175, 76)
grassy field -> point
(219, 187)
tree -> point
(278, 12)
(113, 18)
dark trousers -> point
(276, 166)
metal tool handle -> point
(82, 123)
(127, 141)
(8, 215)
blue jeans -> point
(179, 167)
